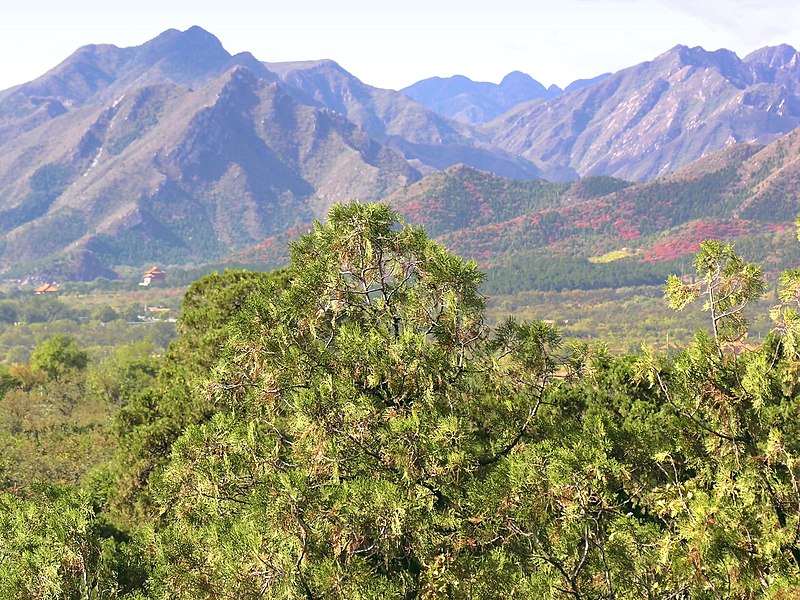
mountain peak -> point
(521, 84)
(725, 62)
(697, 56)
(772, 56)
(193, 40)
(196, 30)
(582, 83)
(194, 35)
(517, 77)
(195, 54)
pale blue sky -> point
(392, 44)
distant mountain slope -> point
(739, 192)
(648, 120)
(429, 140)
(475, 102)
(178, 174)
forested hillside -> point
(351, 427)
(602, 232)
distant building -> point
(156, 313)
(47, 288)
(153, 275)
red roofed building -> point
(47, 288)
(152, 276)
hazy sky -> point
(395, 43)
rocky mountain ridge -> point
(646, 121)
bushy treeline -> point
(351, 428)
(546, 273)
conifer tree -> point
(363, 410)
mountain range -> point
(478, 102)
(650, 119)
(178, 152)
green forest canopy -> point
(351, 428)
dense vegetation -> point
(351, 427)
(100, 322)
